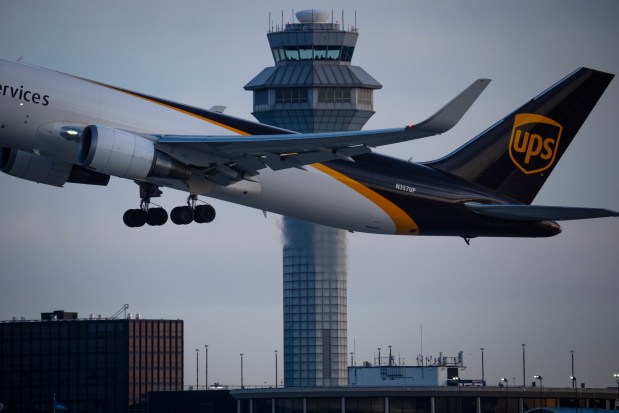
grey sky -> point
(68, 249)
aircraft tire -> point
(182, 215)
(134, 218)
(204, 214)
(156, 217)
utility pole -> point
(483, 378)
(206, 366)
(524, 376)
(242, 386)
(573, 381)
(197, 369)
(275, 368)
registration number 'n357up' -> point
(405, 188)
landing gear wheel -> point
(204, 214)
(182, 215)
(134, 218)
(156, 216)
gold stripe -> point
(230, 128)
(403, 223)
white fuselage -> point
(36, 105)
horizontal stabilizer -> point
(539, 212)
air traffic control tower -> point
(314, 88)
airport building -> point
(459, 399)
(313, 87)
(435, 372)
(87, 365)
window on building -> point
(295, 53)
(261, 97)
(334, 95)
(291, 95)
(365, 405)
(292, 53)
(364, 96)
(324, 405)
(347, 53)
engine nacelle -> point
(45, 170)
(123, 154)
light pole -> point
(541, 389)
(616, 376)
(206, 366)
(483, 377)
(379, 357)
(575, 387)
(242, 386)
(524, 376)
(197, 369)
(275, 368)
(457, 379)
(504, 380)
(573, 381)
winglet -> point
(450, 114)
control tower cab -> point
(313, 87)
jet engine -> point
(123, 154)
(45, 170)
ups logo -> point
(534, 142)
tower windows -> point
(296, 53)
(334, 95)
(364, 96)
(261, 97)
(291, 95)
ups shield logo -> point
(534, 142)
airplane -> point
(57, 128)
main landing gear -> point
(181, 215)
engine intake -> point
(123, 154)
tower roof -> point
(313, 75)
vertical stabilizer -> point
(515, 156)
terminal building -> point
(87, 365)
(458, 399)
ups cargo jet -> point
(56, 128)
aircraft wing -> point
(230, 158)
(538, 212)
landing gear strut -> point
(145, 214)
(181, 215)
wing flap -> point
(539, 212)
